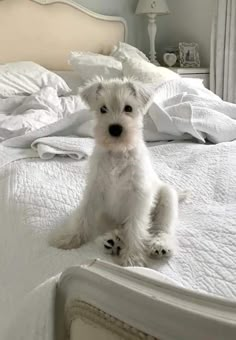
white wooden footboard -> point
(153, 308)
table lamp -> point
(152, 8)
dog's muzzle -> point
(115, 130)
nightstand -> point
(189, 72)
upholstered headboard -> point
(45, 31)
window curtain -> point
(223, 51)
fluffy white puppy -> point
(122, 192)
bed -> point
(47, 293)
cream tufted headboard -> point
(45, 31)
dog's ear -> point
(143, 92)
(91, 92)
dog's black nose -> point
(115, 130)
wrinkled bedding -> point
(179, 111)
(20, 115)
(37, 195)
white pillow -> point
(26, 77)
(88, 65)
(72, 79)
(147, 72)
(123, 51)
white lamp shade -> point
(158, 7)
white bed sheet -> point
(35, 197)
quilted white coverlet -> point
(35, 197)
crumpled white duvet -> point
(179, 111)
(23, 114)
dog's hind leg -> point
(73, 233)
(164, 220)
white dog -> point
(123, 192)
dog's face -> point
(120, 106)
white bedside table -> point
(189, 72)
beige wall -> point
(190, 21)
(124, 8)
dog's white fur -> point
(122, 190)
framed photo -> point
(189, 54)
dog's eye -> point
(103, 109)
(128, 108)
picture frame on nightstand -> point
(189, 55)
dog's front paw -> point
(112, 243)
(162, 245)
(132, 259)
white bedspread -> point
(37, 195)
(42, 194)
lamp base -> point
(152, 29)
(155, 62)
